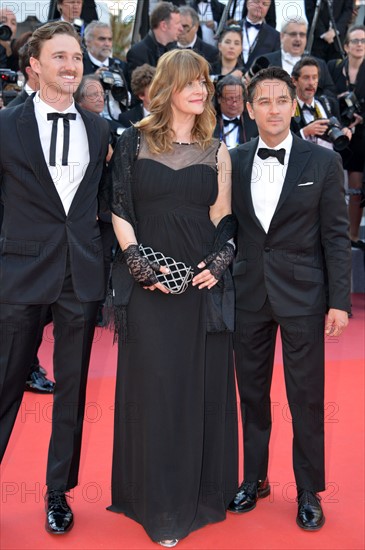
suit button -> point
(267, 249)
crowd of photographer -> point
(330, 96)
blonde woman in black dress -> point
(175, 446)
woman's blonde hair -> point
(174, 70)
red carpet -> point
(270, 526)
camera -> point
(7, 76)
(349, 105)
(5, 32)
(114, 83)
(335, 135)
(260, 63)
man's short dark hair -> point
(306, 61)
(141, 78)
(229, 80)
(271, 73)
(24, 60)
(48, 31)
(162, 12)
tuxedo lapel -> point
(245, 171)
(32, 149)
(299, 157)
(93, 137)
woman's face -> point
(231, 46)
(191, 99)
(356, 46)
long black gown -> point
(175, 439)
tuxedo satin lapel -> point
(32, 149)
(299, 157)
(93, 137)
(246, 168)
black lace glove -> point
(143, 271)
(217, 262)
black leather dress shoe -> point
(310, 514)
(247, 495)
(59, 516)
(38, 383)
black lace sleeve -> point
(121, 175)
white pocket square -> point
(303, 184)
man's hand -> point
(337, 321)
(329, 36)
(316, 128)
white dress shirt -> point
(66, 178)
(205, 14)
(267, 181)
(288, 61)
(231, 132)
(248, 39)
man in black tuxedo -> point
(209, 13)
(293, 37)
(312, 113)
(239, 10)
(188, 38)
(165, 27)
(292, 263)
(325, 44)
(51, 250)
(98, 38)
(234, 126)
(258, 38)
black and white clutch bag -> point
(180, 274)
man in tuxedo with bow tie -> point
(51, 164)
(292, 264)
(293, 38)
(258, 38)
(234, 126)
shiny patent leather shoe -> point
(38, 383)
(310, 514)
(168, 543)
(59, 516)
(247, 495)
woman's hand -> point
(144, 271)
(216, 263)
(357, 120)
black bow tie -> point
(235, 121)
(309, 108)
(254, 25)
(66, 136)
(264, 153)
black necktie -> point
(264, 153)
(235, 121)
(66, 136)
(310, 109)
(254, 25)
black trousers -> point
(74, 324)
(303, 358)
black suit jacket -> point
(268, 40)
(209, 52)
(298, 122)
(307, 237)
(217, 11)
(132, 115)
(90, 67)
(18, 100)
(342, 12)
(36, 234)
(148, 51)
(326, 85)
(247, 129)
